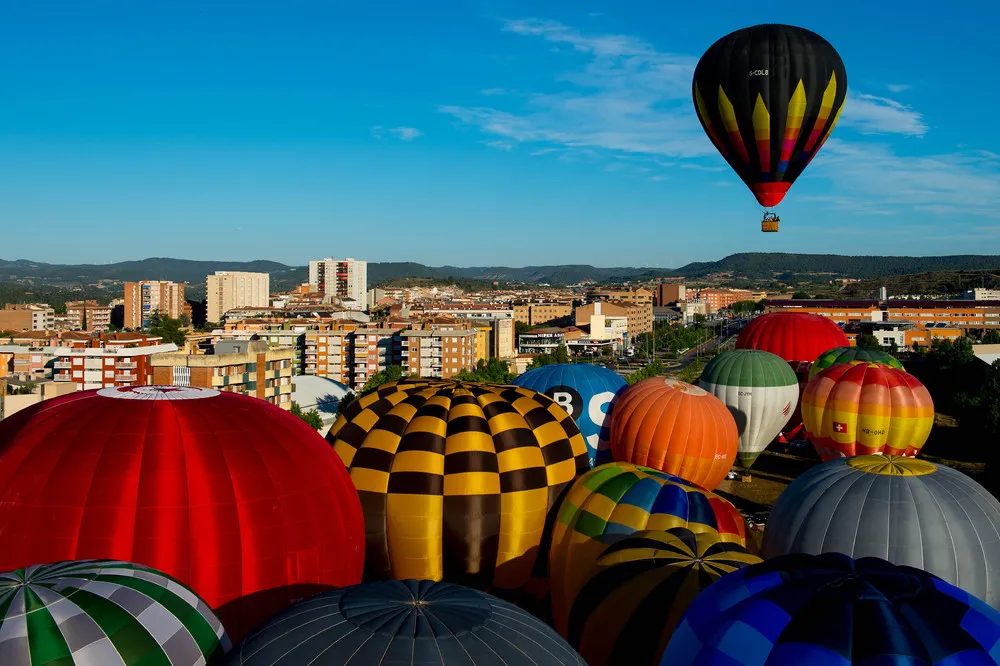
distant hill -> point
(759, 265)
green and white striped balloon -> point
(761, 391)
(104, 613)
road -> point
(730, 329)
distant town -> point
(332, 334)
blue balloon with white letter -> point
(584, 391)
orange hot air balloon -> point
(862, 408)
(677, 428)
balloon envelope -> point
(848, 354)
(794, 336)
(586, 392)
(238, 499)
(829, 609)
(904, 510)
(457, 479)
(677, 428)
(768, 97)
(89, 612)
(638, 589)
(613, 501)
(760, 390)
(860, 408)
(404, 622)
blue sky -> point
(470, 133)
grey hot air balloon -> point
(907, 511)
(760, 389)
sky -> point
(480, 132)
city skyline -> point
(507, 134)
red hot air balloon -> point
(234, 497)
(797, 337)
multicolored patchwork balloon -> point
(860, 408)
(614, 501)
(848, 354)
(104, 612)
(831, 610)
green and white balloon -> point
(104, 613)
(761, 391)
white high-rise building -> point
(344, 279)
(228, 290)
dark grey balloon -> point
(409, 622)
(909, 512)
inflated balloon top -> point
(848, 354)
(768, 97)
(236, 498)
(457, 479)
(801, 610)
(586, 392)
(905, 510)
(794, 336)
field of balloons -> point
(566, 519)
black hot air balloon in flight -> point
(768, 96)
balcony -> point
(59, 365)
(126, 377)
(125, 366)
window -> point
(182, 376)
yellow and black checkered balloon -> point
(638, 590)
(457, 478)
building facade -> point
(91, 368)
(719, 299)
(639, 317)
(246, 367)
(536, 314)
(228, 290)
(669, 292)
(343, 279)
(144, 298)
(88, 315)
(28, 317)
(437, 353)
(638, 296)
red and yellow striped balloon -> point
(862, 408)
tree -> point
(649, 370)
(167, 328)
(312, 417)
(991, 337)
(699, 318)
(185, 320)
(392, 373)
(893, 348)
(868, 341)
(494, 371)
(559, 355)
(800, 295)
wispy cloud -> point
(490, 92)
(500, 145)
(406, 133)
(870, 114)
(898, 87)
(402, 133)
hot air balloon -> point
(794, 336)
(236, 498)
(768, 97)
(88, 612)
(638, 589)
(830, 609)
(858, 408)
(677, 428)
(616, 500)
(404, 622)
(457, 478)
(583, 390)
(904, 510)
(848, 354)
(759, 389)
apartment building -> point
(93, 368)
(536, 314)
(343, 279)
(719, 299)
(961, 314)
(145, 297)
(437, 353)
(669, 292)
(228, 290)
(639, 317)
(374, 349)
(27, 317)
(247, 367)
(638, 296)
(88, 315)
(329, 354)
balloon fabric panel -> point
(768, 97)
(457, 479)
(794, 336)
